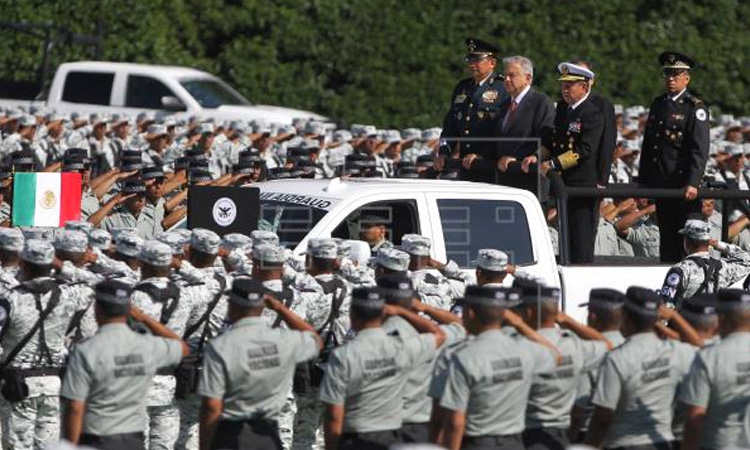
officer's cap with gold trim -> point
(478, 48)
(573, 72)
(675, 60)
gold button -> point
(466, 132)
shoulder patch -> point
(673, 279)
(701, 115)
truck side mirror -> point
(172, 103)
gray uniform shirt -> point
(719, 380)
(644, 237)
(367, 376)
(124, 219)
(417, 404)
(490, 378)
(251, 367)
(637, 381)
(553, 394)
(111, 373)
(89, 204)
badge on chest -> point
(574, 127)
(490, 96)
(460, 98)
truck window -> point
(400, 217)
(211, 93)
(94, 88)
(145, 92)
(471, 225)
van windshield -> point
(212, 93)
(290, 221)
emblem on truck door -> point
(224, 211)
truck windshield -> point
(290, 221)
(212, 93)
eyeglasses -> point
(673, 73)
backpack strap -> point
(287, 296)
(53, 301)
(206, 315)
(169, 296)
(711, 274)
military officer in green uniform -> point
(473, 113)
(717, 388)
(675, 150)
(108, 375)
(637, 381)
(247, 371)
(363, 385)
(489, 377)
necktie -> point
(512, 109)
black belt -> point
(169, 372)
(257, 425)
(491, 440)
(111, 437)
(368, 435)
(39, 372)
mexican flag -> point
(46, 199)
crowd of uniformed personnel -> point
(116, 333)
(190, 340)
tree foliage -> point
(394, 63)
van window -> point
(471, 225)
(400, 217)
(93, 88)
(145, 92)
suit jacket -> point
(675, 143)
(576, 142)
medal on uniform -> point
(460, 98)
(480, 114)
(490, 96)
(574, 127)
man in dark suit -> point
(474, 110)
(526, 114)
(675, 151)
(576, 143)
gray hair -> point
(526, 65)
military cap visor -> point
(478, 49)
(574, 72)
(675, 60)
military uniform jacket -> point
(489, 378)
(685, 279)
(638, 381)
(473, 114)
(576, 141)
(675, 143)
(719, 380)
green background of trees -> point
(393, 63)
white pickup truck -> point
(459, 217)
(112, 87)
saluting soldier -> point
(247, 372)
(474, 110)
(489, 378)
(716, 389)
(637, 381)
(109, 374)
(575, 148)
(363, 386)
(675, 150)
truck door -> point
(145, 92)
(87, 91)
(466, 223)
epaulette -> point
(693, 100)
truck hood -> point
(274, 114)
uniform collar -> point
(481, 83)
(370, 332)
(674, 98)
(578, 103)
(490, 334)
(250, 322)
(645, 336)
(112, 327)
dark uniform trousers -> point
(510, 442)
(654, 446)
(674, 154)
(373, 440)
(545, 439)
(575, 144)
(415, 433)
(247, 435)
(125, 441)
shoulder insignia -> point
(701, 115)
